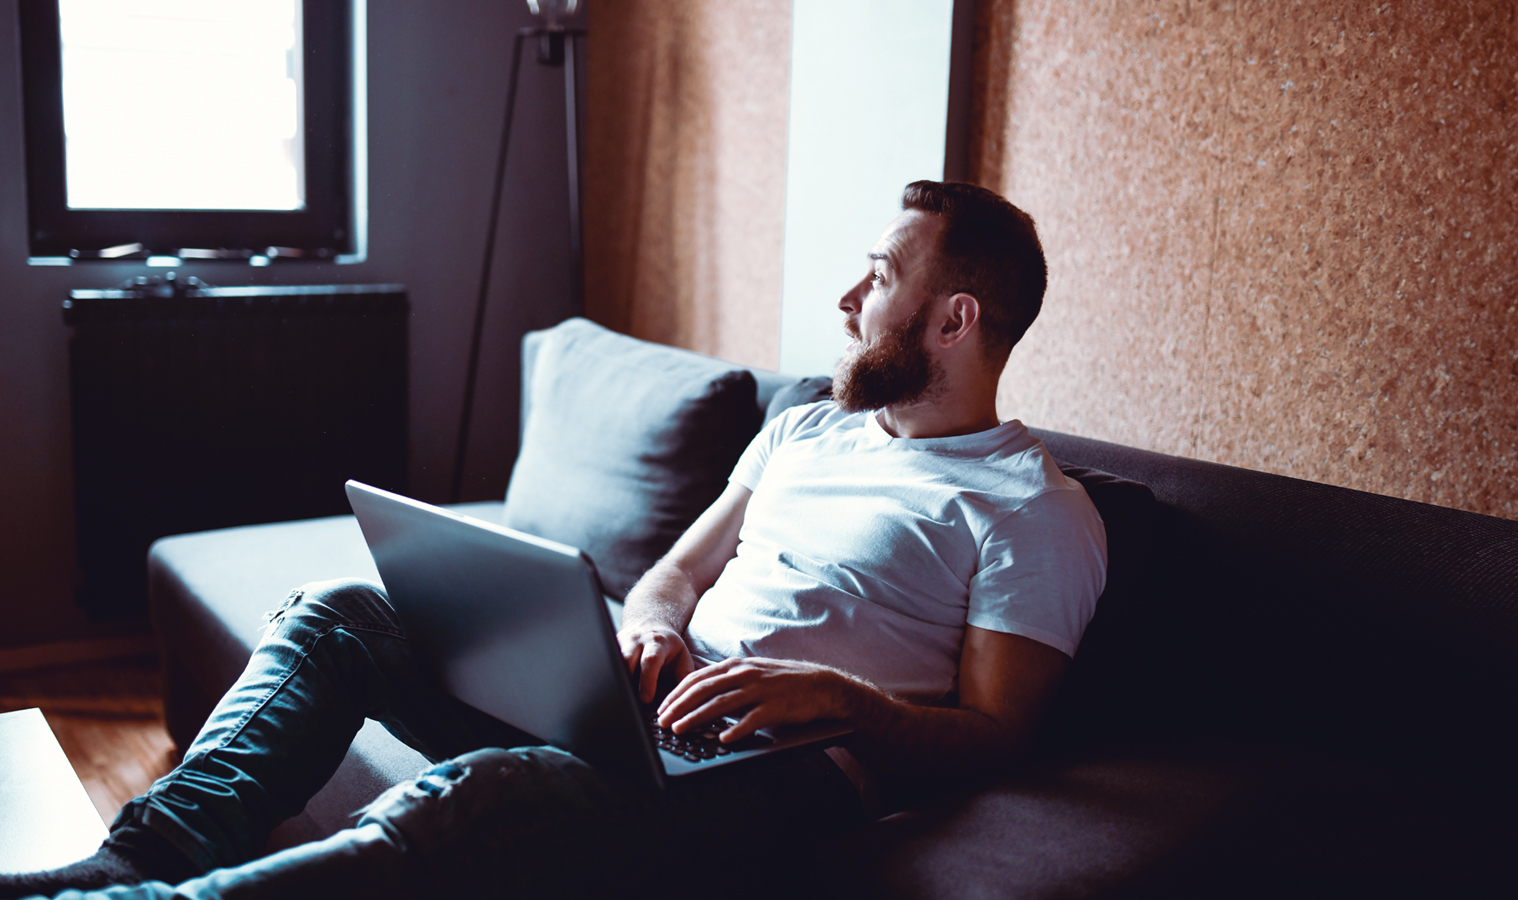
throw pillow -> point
(624, 444)
(800, 393)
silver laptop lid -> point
(514, 625)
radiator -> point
(221, 407)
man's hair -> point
(990, 250)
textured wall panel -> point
(685, 172)
(1282, 236)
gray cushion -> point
(374, 762)
(625, 444)
(799, 393)
(239, 574)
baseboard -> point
(65, 653)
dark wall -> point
(437, 89)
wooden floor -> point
(108, 716)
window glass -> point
(183, 104)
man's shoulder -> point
(1009, 468)
(1040, 491)
(811, 419)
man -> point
(898, 559)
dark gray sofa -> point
(1289, 689)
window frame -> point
(331, 225)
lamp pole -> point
(556, 47)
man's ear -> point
(960, 319)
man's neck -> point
(960, 400)
(935, 417)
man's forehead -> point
(910, 231)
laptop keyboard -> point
(702, 744)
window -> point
(193, 128)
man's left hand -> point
(759, 693)
(1005, 681)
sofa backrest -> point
(1278, 610)
(1247, 606)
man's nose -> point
(850, 301)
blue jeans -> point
(501, 816)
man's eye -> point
(877, 278)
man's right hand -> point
(660, 605)
(649, 650)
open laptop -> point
(517, 627)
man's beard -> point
(891, 370)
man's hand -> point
(659, 606)
(1005, 682)
(763, 692)
(649, 650)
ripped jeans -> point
(501, 817)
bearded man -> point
(897, 558)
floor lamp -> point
(557, 46)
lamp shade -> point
(552, 11)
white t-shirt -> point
(871, 553)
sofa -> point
(1289, 689)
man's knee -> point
(341, 601)
(492, 794)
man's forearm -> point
(653, 625)
(664, 596)
(890, 734)
(893, 735)
(1005, 683)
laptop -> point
(517, 626)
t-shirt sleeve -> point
(1041, 570)
(756, 456)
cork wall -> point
(685, 149)
(1282, 235)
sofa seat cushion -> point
(1066, 831)
(210, 592)
(242, 573)
(624, 444)
(375, 762)
(1221, 822)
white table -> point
(46, 818)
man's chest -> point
(867, 512)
